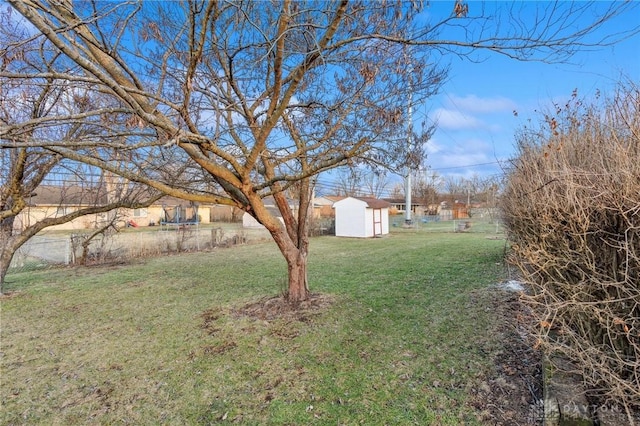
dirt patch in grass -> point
(10, 295)
(219, 349)
(209, 318)
(511, 393)
(279, 308)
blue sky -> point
(476, 124)
(474, 110)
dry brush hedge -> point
(572, 211)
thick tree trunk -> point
(291, 236)
(5, 261)
(6, 249)
(296, 258)
(298, 285)
(294, 250)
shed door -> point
(377, 222)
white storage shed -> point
(361, 217)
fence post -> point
(67, 252)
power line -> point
(468, 166)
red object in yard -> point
(132, 223)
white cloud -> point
(432, 147)
(473, 155)
(475, 104)
(455, 119)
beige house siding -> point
(34, 214)
(141, 217)
(48, 205)
(323, 206)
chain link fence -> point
(113, 247)
(42, 251)
(481, 221)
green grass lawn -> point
(405, 340)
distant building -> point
(49, 201)
(399, 205)
(323, 206)
(249, 221)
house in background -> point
(50, 201)
(224, 213)
(323, 206)
(361, 217)
(453, 211)
(399, 206)
(249, 221)
(322, 209)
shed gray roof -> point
(374, 203)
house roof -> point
(77, 195)
(326, 200)
(400, 201)
(373, 203)
(334, 198)
(72, 195)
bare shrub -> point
(95, 247)
(217, 236)
(572, 211)
(323, 226)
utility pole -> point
(407, 186)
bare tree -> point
(22, 180)
(487, 191)
(262, 95)
(349, 181)
(426, 188)
(25, 111)
(455, 187)
(397, 191)
(360, 181)
(375, 183)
